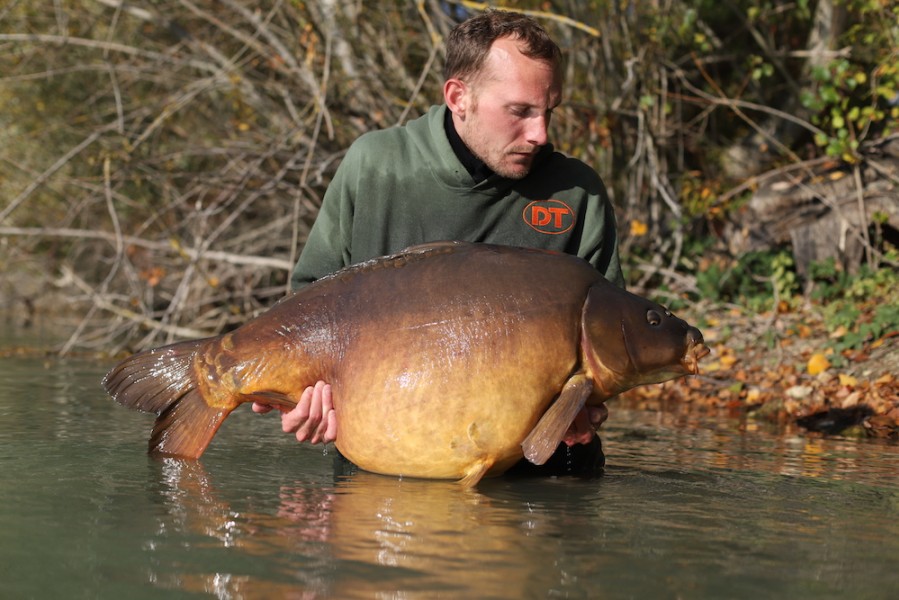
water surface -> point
(688, 508)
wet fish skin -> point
(443, 359)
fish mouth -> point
(696, 350)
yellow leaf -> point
(817, 364)
(848, 380)
(639, 228)
(712, 366)
(728, 360)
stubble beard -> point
(505, 163)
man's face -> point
(507, 108)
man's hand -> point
(313, 419)
(585, 424)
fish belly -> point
(434, 396)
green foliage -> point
(856, 309)
(753, 280)
(858, 94)
(699, 195)
(760, 68)
(783, 276)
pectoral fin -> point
(543, 440)
(270, 398)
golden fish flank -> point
(449, 360)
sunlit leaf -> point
(639, 228)
(817, 364)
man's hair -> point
(469, 42)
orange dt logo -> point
(549, 216)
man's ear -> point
(457, 96)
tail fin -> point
(162, 381)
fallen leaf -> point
(799, 391)
(818, 363)
(838, 332)
(848, 380)
(851, 400)
(728, 360)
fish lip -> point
(696, 350)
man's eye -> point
(519, 111)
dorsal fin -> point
(395, 261)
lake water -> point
(687, 508)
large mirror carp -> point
(447, 361)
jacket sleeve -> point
(599, 243)
(327, 248)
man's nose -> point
(537, 130)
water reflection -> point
(361, 536)
(699, 442)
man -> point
(478, 168)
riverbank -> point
(783, 369)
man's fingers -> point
(308, 429)
(315, 405)
(313, 417)
(327, 398)
(331, 431)
(261, 408)
(327, 420)
(305, 421)
(598, 414)
(292, 420)
(581, 430)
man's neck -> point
(474, 165)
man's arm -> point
(599, 243)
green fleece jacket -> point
(405, 185)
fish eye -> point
(653, 317)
